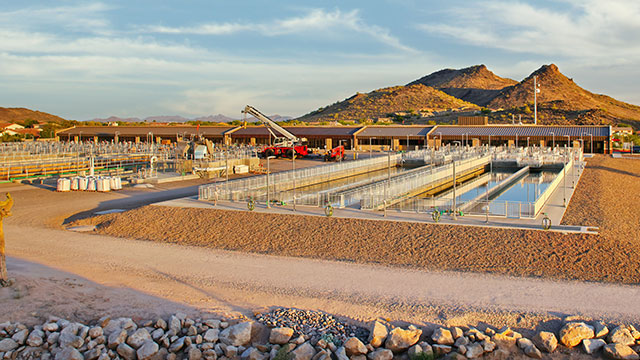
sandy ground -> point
(82, 276)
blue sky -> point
(83, 59)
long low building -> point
(362, 138)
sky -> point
(83, 60)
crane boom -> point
(272, 126)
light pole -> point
(268, 175)
(568, 141)
(516, 140)
(454, 187)
(407, 143)
(527, 142)
(536, 90)
(553, 139)
(388, 183)
(116, 137)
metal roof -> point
(301, 131)
(145, 130)
(522, 131)
(395, 131)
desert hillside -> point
(475, 84)
(381, 103)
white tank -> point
(112, 183)
(118, 183)
(102, 184)
(82, 183)
(64, 184)
(91, 184)
(75, 186)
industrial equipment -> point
(285, 143)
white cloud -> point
(86, 17)
(316, 20)
(590, 30)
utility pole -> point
(536, 90)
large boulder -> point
(148, 350)
(620, 352)
(303, 352)
(442, 336)
(126, 351)
(381, 354)
(474, 350)
(8, 345)
(69, 353)
(573, 333)
(621, 335)
(590, 346)
(280, 335)
(138, 338)
(545, 341)
(237, 335)
(378, 334)
(353, 346)
(400, 340)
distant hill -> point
(475, 84)
(385, 102)
(561, 100)
(21, 115)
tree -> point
(5, 210)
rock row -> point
(309, 336)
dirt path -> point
(221, 281)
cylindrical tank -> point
(91, 184)
(118, 183)
(82, 183)
(112, 183)
(103, 184)
(75, 186)
(64, 185)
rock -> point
(161, 324)
(381, 354)
(177, 345)
(95, 331)
(479, 335)
(488, 345)
(69, 339)
(231, 351)
(546, 341)
(457, 332)
(399, 340)
(192, 331)
(442, 336)
(621, 335)
(455, 356)
(194, 353)
(461, 341)
(600, 329)
(147, 350)
(212, 323)
(116, 338)
(303, 352)
(174, 324)
(524, 343)
(378, 334)
(20, 336)
(620, 352)
(138, 338)
(280, 335)
(462, 349)
(159, 333)
(50, 327)
(474, 350)
(441, 350)
(8, 345)
(353, 346)
(506, 337)
(590, 346)
(572, 334)
(69, 353)
(252, 354)
(533, 352)
(36, 338)
(341, 353)
(237, 335)
(92, 354)
(126, 351)
(299, 340)
(414, 351)
(426, 349)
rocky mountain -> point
(385, 102)
(475, 84)
(561, 100)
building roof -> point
(395, 131)
(145, 130)
(522, 131)
(300, 131)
